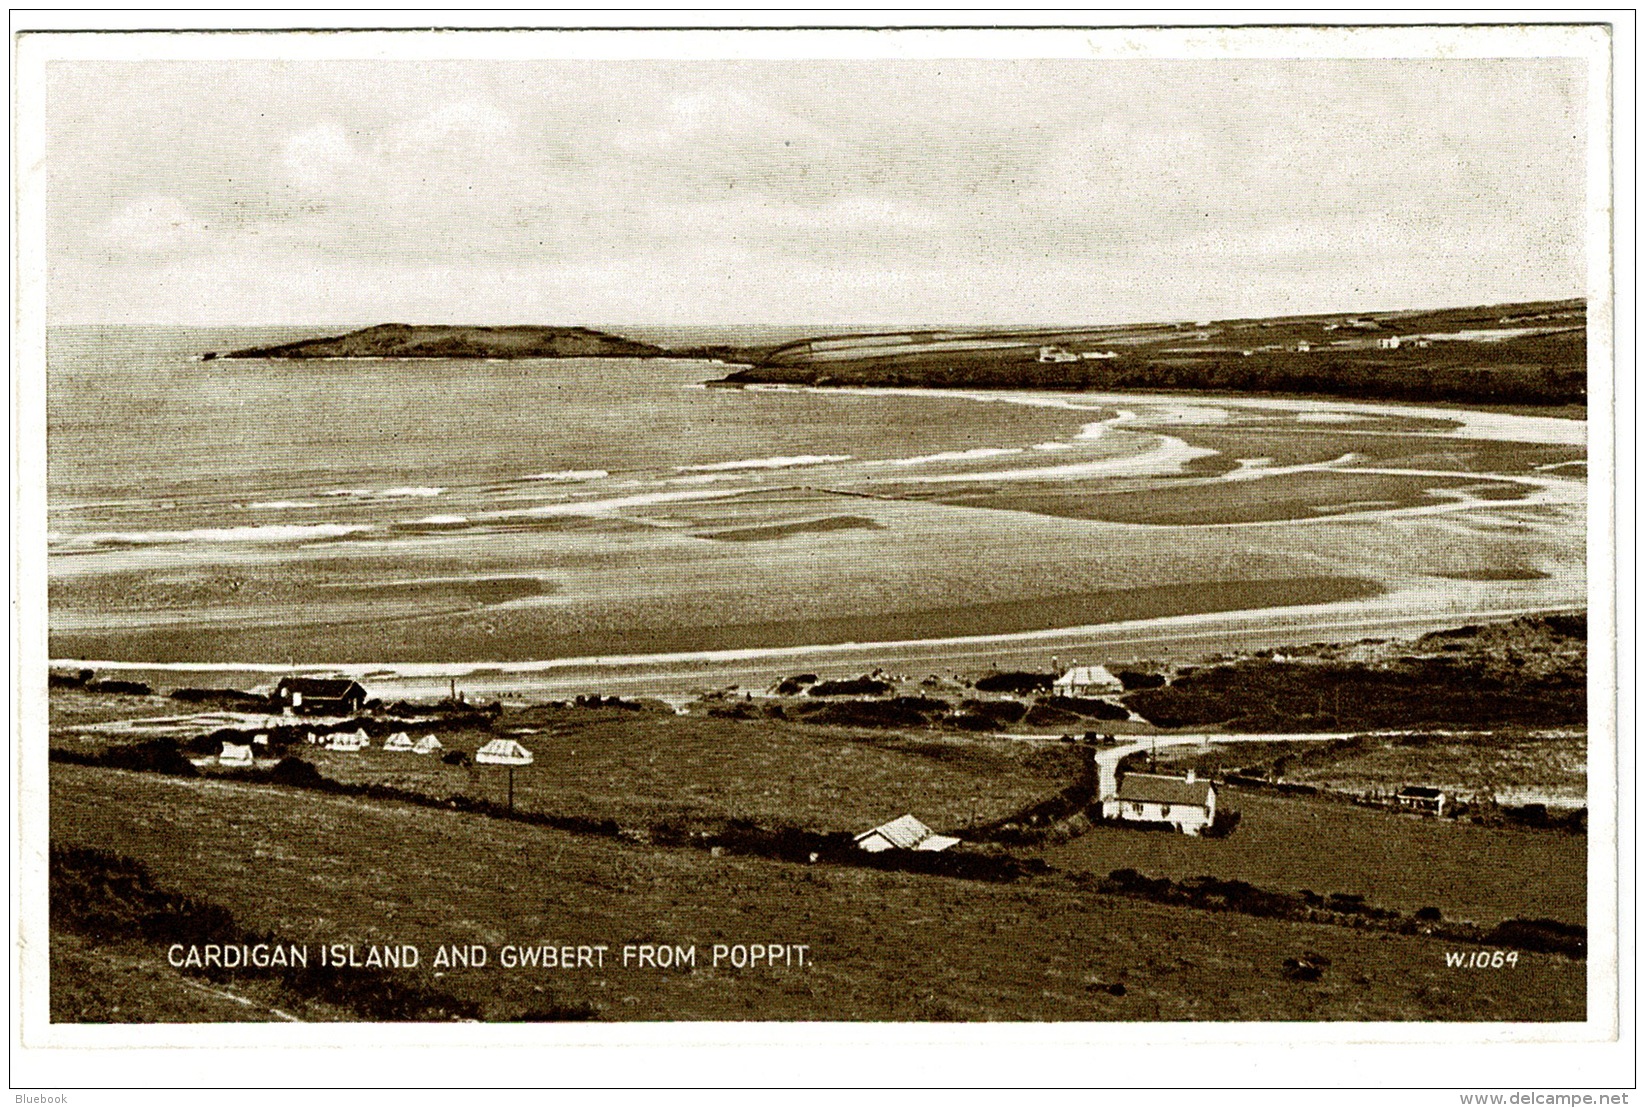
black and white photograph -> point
(946, 527)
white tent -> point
(428, 744)
(504, 752)
(346, 742)
(361, 739)
(398, 741)
(234, 755)
(259, 740)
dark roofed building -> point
(1421, 798)
(320, 696)
(1186, 802)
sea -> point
(146, 443)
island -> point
(401, 340)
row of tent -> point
(359, 740)
(234, 754)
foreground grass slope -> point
(312, 868)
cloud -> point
(825, 190)
(155, 226)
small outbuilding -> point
(233, 754)
(903, 833)
(1422, 798)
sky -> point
(780, 192)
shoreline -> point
(1279, 626)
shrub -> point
(868, 713)
(1429, 914)
(122, 688)
(1546, 936)
(226, 698)
(1018, 682)
(1088, 707)
(792, 686)
(853, 686)
(148, 756)
(1043, 715)
(1223, 825)
(1131, 679)
(456, 758)
(998, 711)
(296, 772)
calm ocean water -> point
(146, 442)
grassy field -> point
(315, 869)
(1393, 860)
(639, 768)
(1516, 768)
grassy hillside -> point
(1504, 354)
(311, 868)
(399, 340)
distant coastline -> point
(1532, 355)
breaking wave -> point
(567, 475)
(783, 462)
(266, 533)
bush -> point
(793, 686)
(1429, 914)
(854, 686)
(1043, 715)
(1546, 936)
(1019, 682)
(1223, 825)
(997, 711)
(868, 713)
(148, 756)
(1131, 680)
(1088, 707)
(297, 773)
(121, 688)
(456, 758)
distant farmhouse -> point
(319, 696)
(1187, 803)
(1087, 681)
(1422, 798)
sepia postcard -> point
(990, 538)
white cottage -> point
(1087, 681)
(1188, 803)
